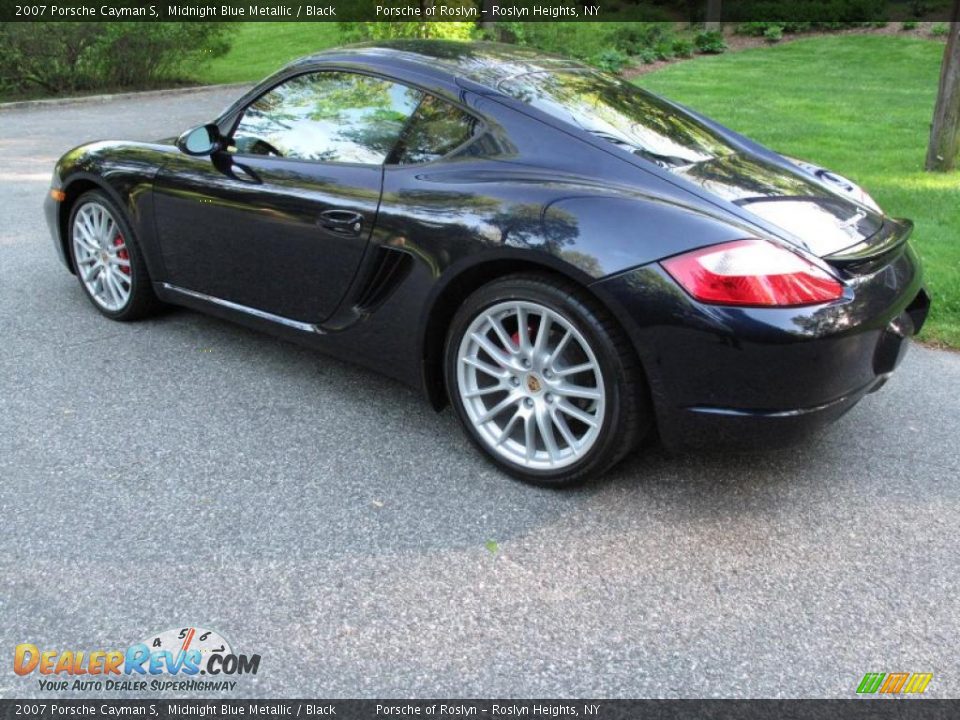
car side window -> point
(327, 117)
(436, 129)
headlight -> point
(838, 182)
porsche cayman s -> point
(569, 261)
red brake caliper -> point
(122, 254)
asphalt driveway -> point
(184, 471)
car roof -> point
(483, 63)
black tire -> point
(627, 416)
(142, 301)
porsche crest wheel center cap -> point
(533, 384)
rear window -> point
(436, 129)
(620, 112)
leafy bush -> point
(682, 47)
(611, 60)
(909, 25)
(634, 38)
(939, 30)
(773, 34)
(710, 43)
(65, 56)
(664, 50)
(647, 56)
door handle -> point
(344, 222)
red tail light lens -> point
(752, 272)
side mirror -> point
(203, 140)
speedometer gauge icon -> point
(208, 642)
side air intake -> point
(389, 268)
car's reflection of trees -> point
(429, 223)
(736, 176)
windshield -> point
(621, 113)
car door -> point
(280, 220)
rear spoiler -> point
(890, 238)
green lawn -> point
(259, 49)
(860, 105)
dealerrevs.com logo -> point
(171, 660)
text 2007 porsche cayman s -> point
(571, 262)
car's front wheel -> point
(544, 381)
(107, 259)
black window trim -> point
(479, 129)
(231, 119)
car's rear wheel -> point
(107, 259)
(544, 381)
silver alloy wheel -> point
(531, 385)
(103, 262)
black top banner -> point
(820, 11)
(495, 709)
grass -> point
(260, 48)
(860, 105)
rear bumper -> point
(761, 377)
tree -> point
(945, 129)
(486, 15)
(713, 15)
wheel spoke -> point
(508, 428)
(574, 369)
(480, 392)
(491, 413)
(530, 436)
(89, 227)
(575, 412)
(565, 431)
(543, 333)
(492, 350)
(561, 346)
(502, 335)
(577, 391)
(83, 238)
(101, 223)
(546, 432)
(485, 367)
(110, 287)
(120, 278)
(523, 330)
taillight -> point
(752, 272)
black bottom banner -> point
(456, 709)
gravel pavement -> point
(186, 471)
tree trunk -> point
(486, 18)
(945, 130)
(713, 15)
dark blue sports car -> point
(571, 262)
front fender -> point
(125, 171)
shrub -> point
(773, 34)
(65, 56)
(710, 43)
(634, 38)
(939, 30)
(611, 60)
(664, 50)
(909, 25)
(647, 55)
(682, 47)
